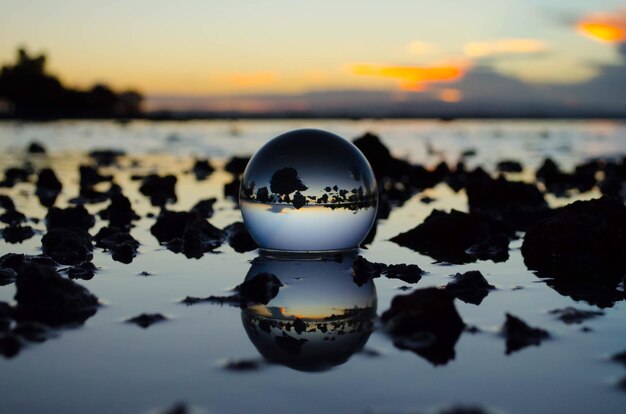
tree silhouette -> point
(34, 93)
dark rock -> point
(622, 384)
(520, 204)
(571, 315)
(119, 212)
(146, 319)
(448, 236)
(110, 236)
(6, 202)
(12, 217)
(460, 176)
(590, 292)
(199, 238)
(32, 331)
(559, 183)
(202, 169)
(519, 335)
(425, 322)
(470, 152)
(380, 158)
(36, 148)
(48, 180)
(7, 276)
(584, 241)
(179, 408)
(76, 217)
(90, 176)
(261, 288)
(124, 252)
(17, 233)
(14, 175)
(285, 181)
(239, 238)
(470, 287)
(299, 326)
(407, 273)
(87, 195)
(184, 232)
(363, 271)
(106, 157)
(621, 358)
(48, 187)
(68, 246)
(44, 296)
(263, 195)
(510, 166)
(12, 261)
(231, 189)
(172, 224)
(495, 248)
(15, 261)
(584, 176)
(241, 365)
(298, 200)
(160, 190)
(84, 271)
(237, 165)
(204, 208)
(464, 409)
(551, 175)
(232, 300)
(10, 344)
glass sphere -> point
(308, 191)
(318, 319)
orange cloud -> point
(504, 47)
(252, 79)
(605, 27)
(450, 95)
(413, 78)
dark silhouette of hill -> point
(32, 93)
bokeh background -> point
(526, 58)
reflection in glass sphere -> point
(319, 318)
(308, 191)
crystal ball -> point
(308, 191)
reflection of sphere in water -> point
(308, 190)
(319, 318)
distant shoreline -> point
(183, 117)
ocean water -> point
(108, 365)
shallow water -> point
(111, 366)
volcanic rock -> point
(448, 237)
(69, 245)
(470, 287)
(519, 335)
(44, 296)
(584, 241)
(425, 322)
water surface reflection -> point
(319, 318)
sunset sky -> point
(230, 48)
